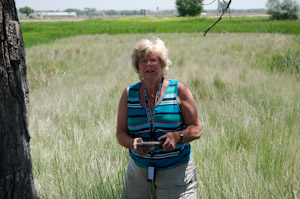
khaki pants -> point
(177, 183)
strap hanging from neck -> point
(151, 112)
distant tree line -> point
(277, 9)
(162, 12)
(238, 11)
(94, 12)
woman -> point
(157, 109)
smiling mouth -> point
(149, 71)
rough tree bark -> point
(16, 179)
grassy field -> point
(246, 91)
(46, 32)
(246, 88)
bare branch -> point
(219, 19)
(208, 3)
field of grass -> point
(247, 96)
(46, 32)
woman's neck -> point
(152, 86)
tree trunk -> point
(16, 179)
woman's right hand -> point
(139, 152)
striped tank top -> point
(168, 118)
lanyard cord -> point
(151, 112)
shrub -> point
(189, 7)
(287, 9)
(26, 10)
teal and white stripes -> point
(168, 118)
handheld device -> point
(149, 146)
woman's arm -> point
(122, 129)
(189, 114)
(190, 118)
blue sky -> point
(126, 4)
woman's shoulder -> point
(173, 81)
(133, 90)
(136, 85)
(184, 92)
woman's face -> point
(150, 67)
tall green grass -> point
(46, 32)
(251, 129)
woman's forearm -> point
(191, 133)
(125, 140)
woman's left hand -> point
(170, 141)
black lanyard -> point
(151, 112)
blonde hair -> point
(144, 47)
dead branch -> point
(219, 19)
(208, 3)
